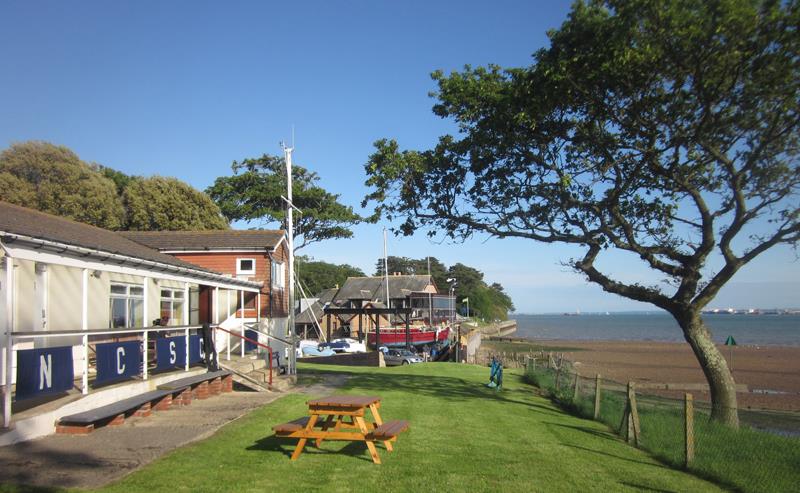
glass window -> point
(172, 307)
(246, 266)
(278, 275)
(249, 300)
(126, 306)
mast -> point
(290, 246)
(386, 269)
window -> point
(172, 306)
(250, 300)
(278, 276)
(246, 266)
(126, 306)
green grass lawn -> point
(463, 437)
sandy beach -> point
(771, 373)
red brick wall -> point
(225, 262)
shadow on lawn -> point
(285, 446)
(441, 387)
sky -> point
(184, 88)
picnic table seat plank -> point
(356, 401)
(390, 429)
(114, 409)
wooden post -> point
(631, 416)
(577, 382)
(558, 376)
(688, 428)
(597, 396)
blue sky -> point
(184, 88)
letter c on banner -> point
(120, 360)
(172, 356)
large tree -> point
(667, 130)
(317, 275)
(161, 203)
(53, 179)
(254, 193)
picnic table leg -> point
(370, 444)
(325, 426)
(302, 442)
(378, 422)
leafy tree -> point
(666, 130)
(254, 193)
(316, 275)
(167, 204)
(409, 266)
(53, 179)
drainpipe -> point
(271, 261)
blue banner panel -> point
(170, 352)
(118, 360)
(253, 335)
(44, 371)
(196, 354)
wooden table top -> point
(349, 401)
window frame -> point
(278, 282)
(129, 299)
(172, 299)
(243, 272)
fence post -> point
(688, 428)
(558, 376)
(577, 382)
(633, 415)
(597, 396)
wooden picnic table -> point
(343, 417)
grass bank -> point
(463, 437)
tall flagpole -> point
(290, 246)
(386, 271)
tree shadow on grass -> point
(642, 487)
(286, 446)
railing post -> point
(227, 312)
(145, 334)
(216, 321)
(186, 320)
(9, 324)
(85, 327)
(241, 320)
(688, 428)
(597, 396)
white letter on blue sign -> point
(172, 356)
(120, 363)
(202, 353)
(45, 371)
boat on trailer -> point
(420, 336)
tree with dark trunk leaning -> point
(666, 130)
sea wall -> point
(371, 358)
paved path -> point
(109, 453)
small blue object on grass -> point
(495, 375)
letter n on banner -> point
(44, 371)
(170, 352)
(118, 360)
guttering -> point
(123, 259)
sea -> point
(768, 330)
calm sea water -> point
(745, 329)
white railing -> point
(140, 333)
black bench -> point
(190, 382)
(114, 413)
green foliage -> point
(316, 275)
(53, 179)
(254, 193)
(489, 302)
(168, 204)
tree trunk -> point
(720, 380)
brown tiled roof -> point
(206, 240)
(28, 222)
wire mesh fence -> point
(763, 455)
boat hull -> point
(419, 337)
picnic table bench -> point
(176, 392)
(343, 418)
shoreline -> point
(770, 372)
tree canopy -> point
(667, 130)
(316, 275)
(53, 179)
(254, 193)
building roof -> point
(326, 296)
(174, 241)
(16, 220)
(373, 288)
(314, 312)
